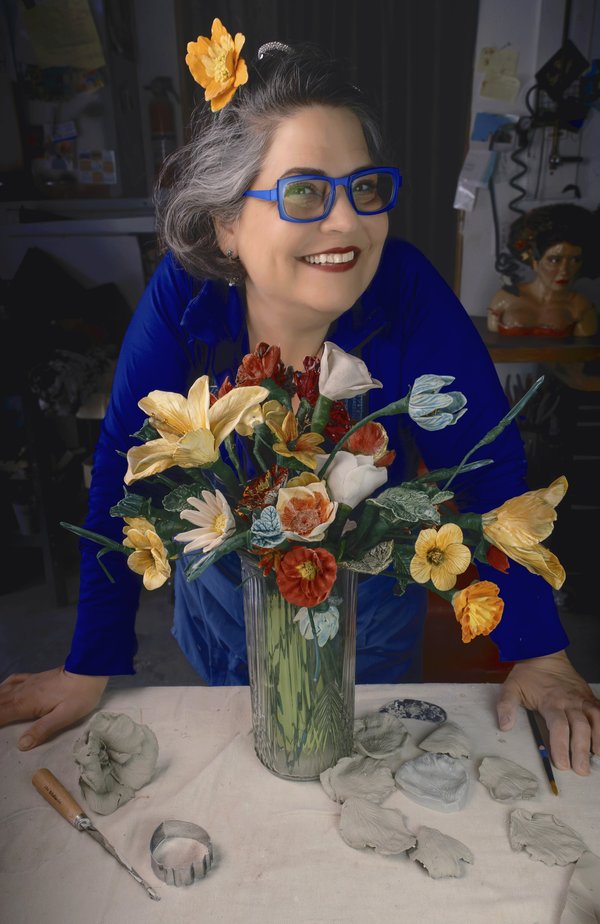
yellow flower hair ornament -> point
(216, 65)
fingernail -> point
(504, 721)
(25, 742)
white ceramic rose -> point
(342, 375)
(351, 478)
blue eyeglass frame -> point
(276, 194)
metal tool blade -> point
(86, 825)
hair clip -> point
(216, 65)
(271, 46)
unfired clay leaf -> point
(437, 781)
(506, 780)
(379, 734)
(358, 776)
(448, 738)
(364, 824)
(440, 854)
(544, 838)
(583, 898)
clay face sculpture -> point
(440, 854)
(544, 838)
(116, 757)
(435, 780)
(506, 780)
(361, 777)
(364, 824)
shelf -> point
(505, 349)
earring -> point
(234, 279)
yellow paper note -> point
(63, 34)
(498, 61)
(498, 86)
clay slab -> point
(364, 824)
(361, 777)
(437, 781)
(545, 838)
(507, 781)
(440, 854)
(378, 734)
(447, 738)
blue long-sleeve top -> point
(407, 323)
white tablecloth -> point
(279, 858)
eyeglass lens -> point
(306, 199)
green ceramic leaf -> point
(405, 504)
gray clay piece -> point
(582, 905)
(365, 824)
(362, 777)
(447, 738)
(437, 781)
(116, 756)
(379, 734)
(507, 781)
(440, 854)
(545, 838)
(415, 709)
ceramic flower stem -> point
(320, 414)
(226, 475)
(230, 447)
(497, 430)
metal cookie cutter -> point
(180, 852)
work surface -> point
(278, 855)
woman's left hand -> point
(552, 687)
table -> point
(279, 858)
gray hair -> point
(206, 178)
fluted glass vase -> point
(301, 664)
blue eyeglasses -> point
(310, 197)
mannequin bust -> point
(557, 243)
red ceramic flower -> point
(307, 382)
(306, 576)
(497, 559)
(339, 421)
(263, 490)
(270, 561)
(264, 363)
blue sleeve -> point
(439, 337)
(153, 356)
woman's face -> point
(559, 266)
(274, 251)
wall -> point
(534, 29)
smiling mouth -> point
(333, 257)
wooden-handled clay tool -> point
(54, 792)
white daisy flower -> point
(214, 519)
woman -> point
(557, 241)
(231, 203)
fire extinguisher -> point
(162, 120)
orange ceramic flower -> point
(478, 609)
(264, 363)
(371, 440)
(305, 576)
(289, 444)
(216, 65)
(305, 511)
(440, 556)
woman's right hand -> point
(56, 698)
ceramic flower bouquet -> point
(272, 467)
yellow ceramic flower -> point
(270, 410)
(519, 525)
(191, 431)
(478, 609)
(289, 444)
(216, 65)
(440, 556)
(149, 557)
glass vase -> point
(301, 683)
